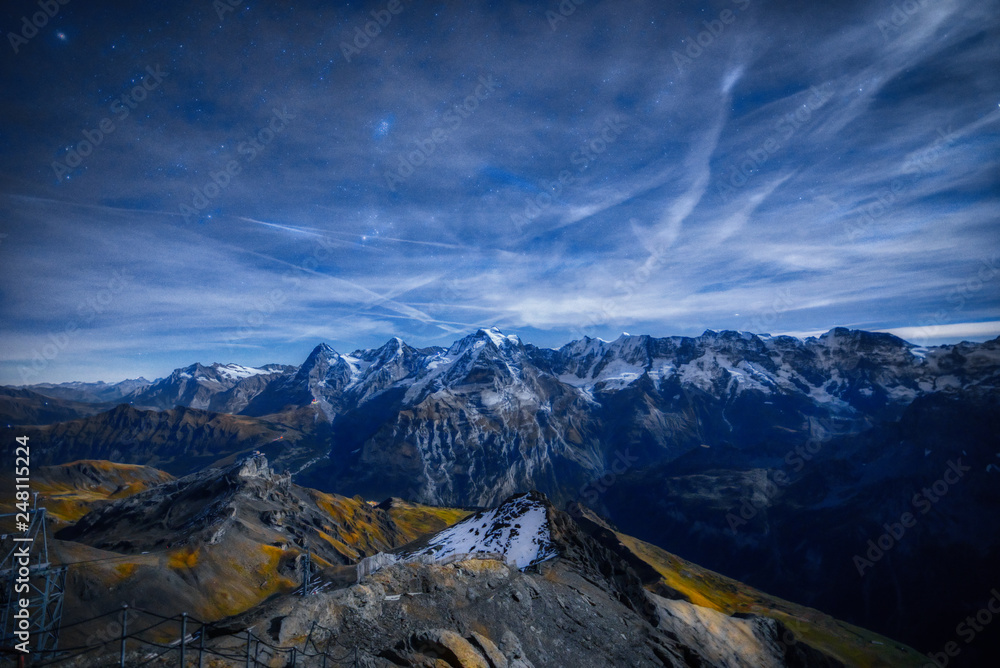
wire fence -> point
(180, 640)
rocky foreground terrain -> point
(579, 604)
(523, 584)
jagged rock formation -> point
(247, 498)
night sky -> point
(199, 181)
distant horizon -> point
(977, 333)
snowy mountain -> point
(853, 370)
(225, 388)
(812, 445)
(490, 416)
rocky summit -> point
(221, 540)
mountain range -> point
(771, 459)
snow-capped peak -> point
(481, 339)
(498, 338)
(324, 350)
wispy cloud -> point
(806, 157)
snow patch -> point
(239, 372)
(518, 530)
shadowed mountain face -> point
(24, 407)
(896, 528)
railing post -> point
(201, 647)
(293, 658)
(305, 644)
(249, 642)
(184, 630)
(121, 659)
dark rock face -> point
(809, 536)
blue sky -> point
(269, 183)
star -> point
(384, 126)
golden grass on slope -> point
(361, 528)
(851, 645)
(229, 581)
(67, 506)
(415, 520)
(339, 546)
(69, 500)
(183, 558)
(125, 570)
